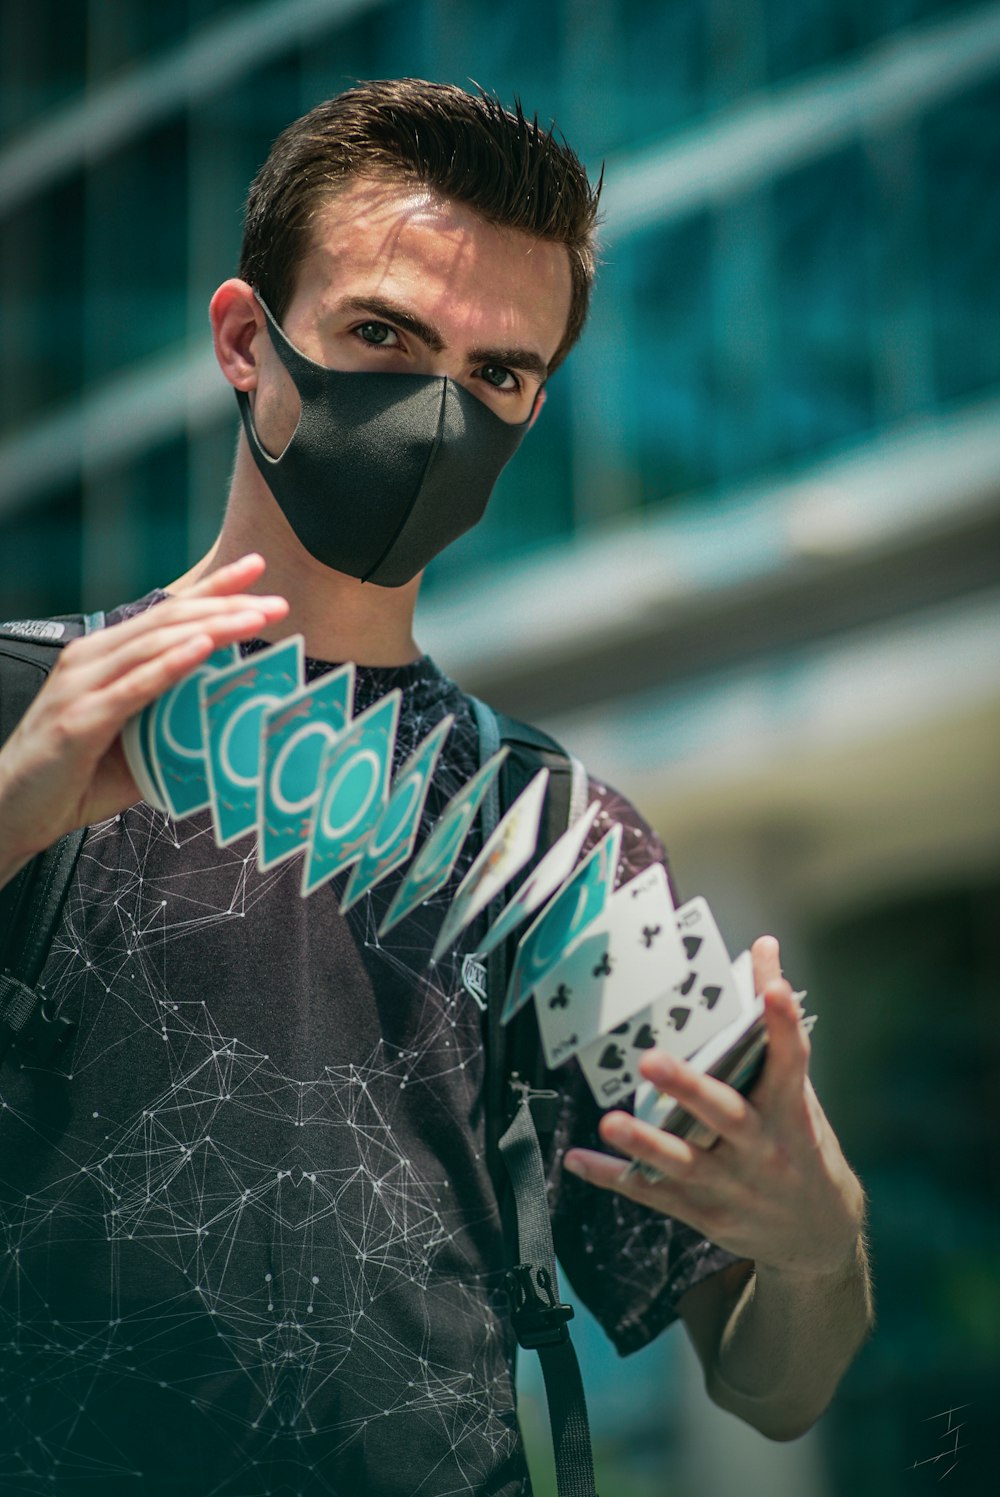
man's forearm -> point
(787, 1344)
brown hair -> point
(468, 148)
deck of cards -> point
(285, 760)
(613, 971)
(270, 754)
(617, 972)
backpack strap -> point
(540, 1321)
(515, 1050)
(521, 1102)
(31, 903)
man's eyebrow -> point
(511, 358)
(392, 312)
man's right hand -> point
(63, 767)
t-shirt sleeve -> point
(629, 1264)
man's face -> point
(399, 280)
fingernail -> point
(575, 1165)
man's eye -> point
(379, 333)
(499, 377)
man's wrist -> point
(839, 1271)
(13, 853)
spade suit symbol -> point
(646, 1038)
(685, 987)
(679, 1017)
(612, 1058)
(692, 945)
(710, 997)
(622, 1028)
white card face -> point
(646, 1104)
(627, 959)
(611, 1063)
(579, 901)
(435, 860)
(135, 746)
(553, 870)
(294, 737)
(706, 998)
(743, 980)
(354, 788)
(391, 840)
(504, 854)
(233, 702)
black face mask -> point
(383, 470)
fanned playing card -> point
(611, 1063)
(294, 737)
(736, 1056)
(233, 702)
(627, 959)
(431, 867)
(705, 999)
(504, 854)
(135, 746)
(553, 870)
(648, 1100)
(354, 788)
(579, 901)
(177, 737)
(390, 841)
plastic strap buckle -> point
(30, 1022)
(538, 1320)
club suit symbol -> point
(603, 968)
(649, 934)
(560, 998)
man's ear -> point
(237, 328)
(536, 409)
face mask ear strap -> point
(306, 374)
(246, 415)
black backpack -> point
(522, 1101)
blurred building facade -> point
(747, 564)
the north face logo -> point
(474, 979)
(34, 628)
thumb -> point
(766, 955)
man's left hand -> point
(775, 1187)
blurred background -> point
(746, 566)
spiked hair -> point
(466, 147)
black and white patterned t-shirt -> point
(249, 1246)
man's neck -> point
(339, 617)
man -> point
(252, 1245)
